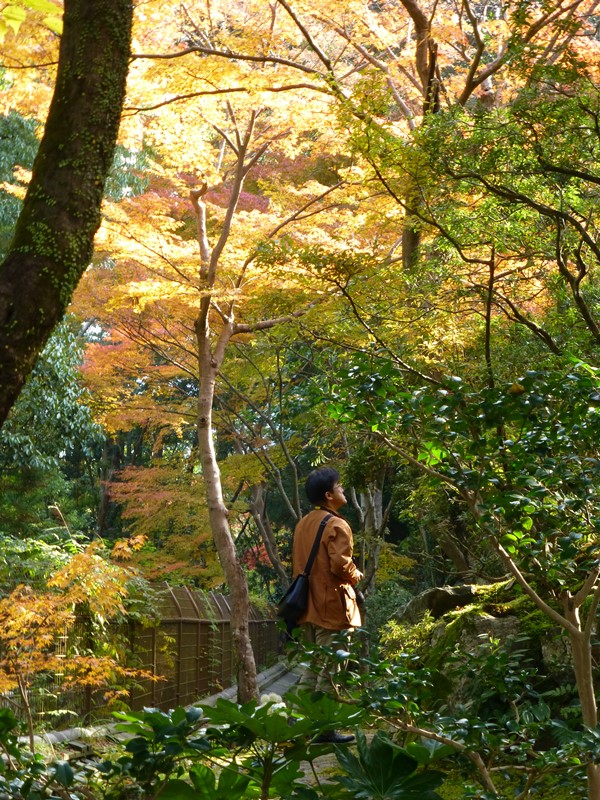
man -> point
(332, 605)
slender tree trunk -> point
(23, 691)
(426, 61)
(581, 650)
(54, 235)
(245, 664)
(209, 363)
(372, 505)
(259, 513)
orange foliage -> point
(32, 623)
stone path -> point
(277, 679)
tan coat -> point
(332, 600)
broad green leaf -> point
(177, 789)
(63, 773)
(13, 16)
(55, 24)
(43, 6)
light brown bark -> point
(581, 655)
(245, 664)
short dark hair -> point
(319, 482)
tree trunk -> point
(54, 235)
(24, 692)
(261, 519)
(372, 506)
(411, 231)
(219, 522)
(581, 649)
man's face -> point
(336, 498)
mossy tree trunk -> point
(53, 240)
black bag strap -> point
(316, 543)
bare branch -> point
(459, 746)
(190, 96)
(266, 324)
(305, 32)
(590, 584)
(590, 623)
(518, 316)
(469, 81)
(549, 17)
(230, 56)
(238, 182)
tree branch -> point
(422, 40)
(230, 56)
(530, 591)
(305, 32)
(470, 83)
(462, 748)
(266, 324)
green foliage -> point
(383, 603)
(527, 450)
(32, 560)
(47, 445)
(24, 776)
(157, 749)
(384, 771)
(255, 749)
(50, 416)
(397, 638)
(19, 146)
(519, 180)
(127, 177)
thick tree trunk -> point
(54, 236)
(219, 522)
(411, 240)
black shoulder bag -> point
(294, 602)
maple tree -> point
(141, 327)
(33, 621)
(163, 274)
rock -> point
(438, 601)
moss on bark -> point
(53, 240)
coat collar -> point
(330, 511)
